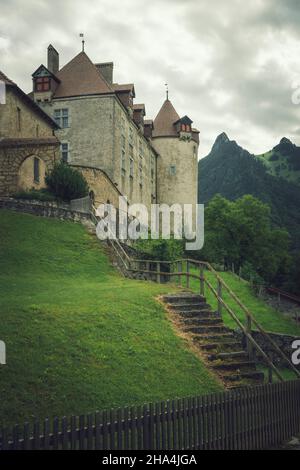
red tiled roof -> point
(163, 123)
(81, 77)
(123, 87)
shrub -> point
(161, 249)
(37, 194)
(66, 182)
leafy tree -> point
(240, 233)
(66, 182)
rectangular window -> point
(131, 167)
(61, 117)
(19, 120)
(141, 171)
(65, 152)
(123, 126)
(42, 84)
(123, 162)
(130, 135)
(141, 149)
(36, 170)
(123, 141)
(173, 170)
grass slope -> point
(270, 319)
(80, 337)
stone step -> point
(187, 307)
(214, 337)
(195, 321)
(218, 347)
(184, 298)
(236, 355)
(198, 313)
(234, 365)
(248, 375)
(210, 329)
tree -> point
(241, 233)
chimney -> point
(106, 70)
(53, 60)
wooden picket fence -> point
(247, 418)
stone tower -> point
(177, 166)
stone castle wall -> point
(31, 124)
(177, 170)
(98, 129)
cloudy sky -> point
(230, 66)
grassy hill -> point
(79, 336)
(283, 161)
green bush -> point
(37, 194)
(161, 249)
(66, 183)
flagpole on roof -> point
(83, 41)
(167, 91)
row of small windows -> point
(140, 167)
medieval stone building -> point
(102, 130)
(28, 147)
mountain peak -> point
(223, 137)
(220, 140)
(285, 140)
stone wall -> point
(31, 124)
(101, 185)
(12, 159)
(284, 342)
(177, 170)
(99, 128)
(44, 209)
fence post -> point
(270, 375)
(179, 271)
(219, 297)
(249, 329)
(187, 274)
(202, 279)
(158, 272)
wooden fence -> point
(248, 418)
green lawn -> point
(79, 336)
(269, 318)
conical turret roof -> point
(164, 121)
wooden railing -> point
(179, 270)
(249, 418)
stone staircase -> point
(221, 351)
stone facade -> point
(176, 170)
(18, 120)
(17, 166)
(101, 135)
(104, 191)
(27, 146)
(102, 128)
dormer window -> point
(42, 84)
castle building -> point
(102, 130)
(28, 147)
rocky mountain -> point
(272, 177)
